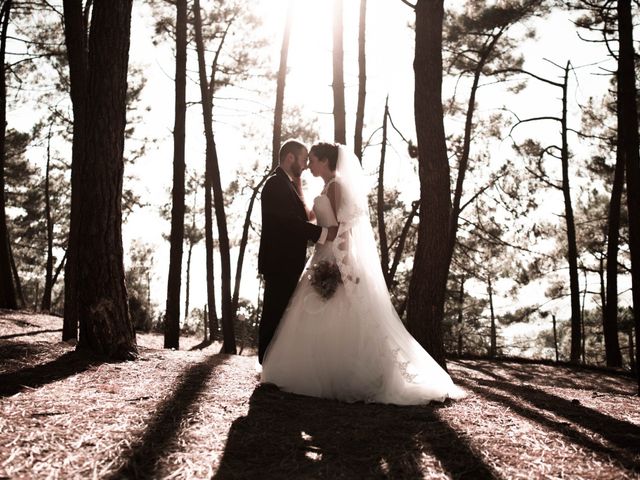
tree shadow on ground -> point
(66, 365)
(293, 436)
(573, 376)
(22, 351)
(142, 460)
(27, 334)
(12, 316)
(623, 435)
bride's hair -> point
(328, 151)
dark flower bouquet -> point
(325, 278)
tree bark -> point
(460, 315)
(282, 77)
(362, 79)
(45, 306)
(555, 337)
(101, 295)
(628, 144)
(339, 113)
(583, 352)
(382, 232)
(430, 268)
(243, 243)
(493, 333)
(402, 240)
(187, 293)
(205, 321)
(75, 29)
(610, 317)
(16, 277)
(208, 241)
(172, 316)
(572, 249)
(213, 173)
(632, 361)
(7, 287)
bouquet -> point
(325, 277)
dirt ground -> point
(198, 414)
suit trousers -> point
(278, 289)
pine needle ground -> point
(197, 414)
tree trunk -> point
(282, 77)
(603, 289)
(466, 145)
(75, 29)
(402, 240)
(172, 318)
(582, 327)
(58, 270)
(243, 243)
(610, 317)
(7, 288)
(187, 293)
(208, 241)
(555, 337)
(339, 114)
(382, 232)
(101, 295)
(628, 144)
(213, 171)
(16, 276)
(460, 315)
(48, 281)
(632, 361)
(493, 333)
(206, 322)
(572, 249)
(430, 268)
(362, 79)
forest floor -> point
(198, 414)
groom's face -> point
(300, 162)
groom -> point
(283, 243)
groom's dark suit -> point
(283, 250)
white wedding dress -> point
(353, 346)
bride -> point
(351, 346)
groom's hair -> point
(290, 146)
(328, 151)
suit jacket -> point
(285, 228)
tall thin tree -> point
(213, 176)
(362, 79)
(7, 288)
(172, 316)
(282, 77)
(613, 355)
(48, 282)
(339, 113)
(565, 187)
(382, 232)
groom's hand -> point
(331, 234)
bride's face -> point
(316, 165)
